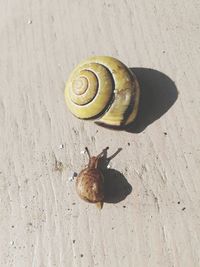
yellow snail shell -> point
(104, 89)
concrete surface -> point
(42, 220)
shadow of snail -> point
(116, 186)
(158, 93)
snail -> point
(90, 181)
(103, 89)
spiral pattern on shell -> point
(104, 89)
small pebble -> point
(61, 146)
(59, 166)
(129, 144)
(165, 133)
(81, 255)
(124, 207)
(74, 241)
(12, 243)
(83, 151)
(178, 202)
(71, 176)
(184, 208)
(29, 22)
(108, 166)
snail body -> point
(90, 182)
(103, 89)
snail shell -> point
(90, 182)
(104, 89)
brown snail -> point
(90, 181)
(103, 89)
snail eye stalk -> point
(88, 152)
